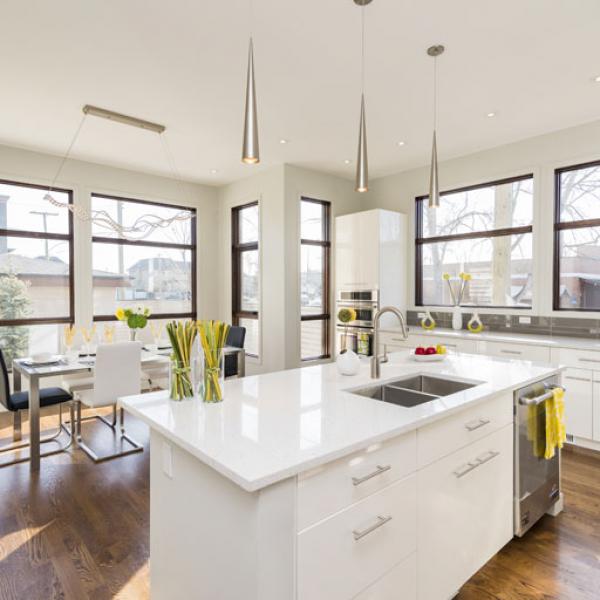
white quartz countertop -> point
(274, 426)
(507, 337)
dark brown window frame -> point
(124, 242)
(325, 243)
(237, 250)
(420, 241)
(562, 226)
(66, 237)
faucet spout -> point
(375, 359)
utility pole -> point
(44, 215)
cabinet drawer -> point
(579, 402)
(400, 582)
(328, 489)
(465, 513)
(518, 351)
(343, 555)
(445, 436)
(582, 359)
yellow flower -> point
(345, 315)
(120, 314)
(467, 276)
(446, 276)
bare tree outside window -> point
(485, 230)
(577, 238)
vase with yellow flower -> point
(135, 318)
(457, 296)
(347, 362)
(212, 336)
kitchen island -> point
(297, 487)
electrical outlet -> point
(167, 460)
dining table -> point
(79, 365)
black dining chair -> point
(236, 338)
(19, 401)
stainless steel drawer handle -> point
(511, 351)
(592, 360)
(473, 425)
(572, 377)
(487, 457)
(533, 401)
(381, 521)
(378, 471)
(462, 471)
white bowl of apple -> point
(429, 354)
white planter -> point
(348, 363)
(457, 319)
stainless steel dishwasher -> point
(537, 480)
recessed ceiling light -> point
(401, 143)
(214, 171)
(283, 141)
(597, 79)
(347, 161)
(491, 114)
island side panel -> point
(207, 533)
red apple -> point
(420, 351)
(430, 350)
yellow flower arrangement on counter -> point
(213, 338)
(345, 316)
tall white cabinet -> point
(370, 254)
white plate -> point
(428, 357)
(44, 359)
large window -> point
(577, 238)
(485, 230)
(245, 233)
(36, 269)
(314, 278)
(158, 272)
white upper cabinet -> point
(370, 254)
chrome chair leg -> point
(44, 440)
(135, 447)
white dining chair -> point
(116, 374)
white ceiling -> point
(182, 63)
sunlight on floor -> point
(138, 587)
(11, 542)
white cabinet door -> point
(399, 584)
(596, 411)
(516, 351)
(465, 513)
(357, 251)
(579, 402)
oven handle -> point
(539, 399)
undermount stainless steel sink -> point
(414, 390)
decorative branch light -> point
(144, 225)
(434, 184)
(362, 162)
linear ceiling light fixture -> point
(362, 161)
(144, 225)
(250, 150)
(434, 184)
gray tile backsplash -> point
(554, 326)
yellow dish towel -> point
(536, 433)
(555, 422)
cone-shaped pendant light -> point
(362, 161)
(250, 152)
(434, 183)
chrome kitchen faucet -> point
(375, 359)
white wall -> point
(278, 191)
(539, 155)
(84, 178)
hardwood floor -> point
(80, 531)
